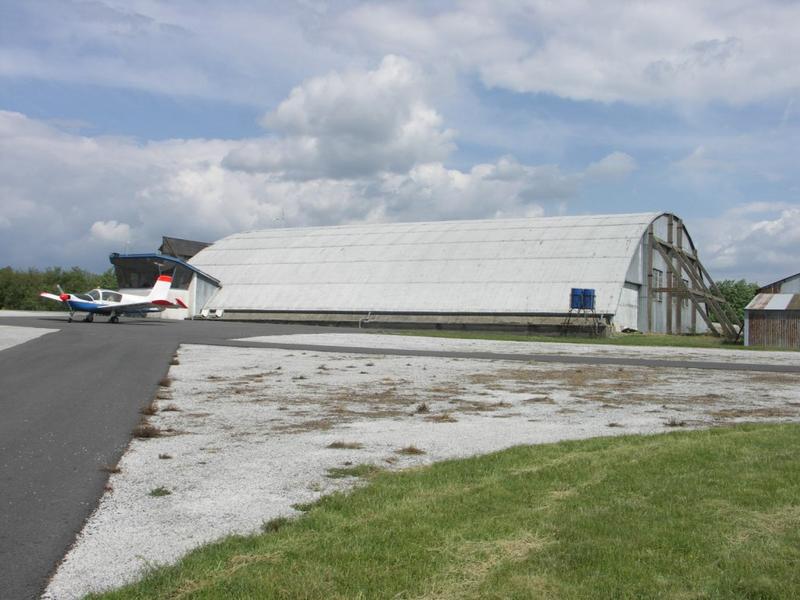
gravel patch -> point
(249, 433)
(423, 343)
(11, 336)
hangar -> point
(499, 273)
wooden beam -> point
(679, 302)
(728, 328)
(673, 247)
(648, 264)
(727, 307)
(670, 240)
(682, 290)
(698, 308)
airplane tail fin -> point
(158, 295)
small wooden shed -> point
(773, 320)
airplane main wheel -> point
(114, 319)
(69, 319)
(89, 318)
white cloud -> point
(223, 51)
(758, 240)
(110, 231)
(636, 52)
(350, 124)
(55, 184)
(615, 166)
(700, 161)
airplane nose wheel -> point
(114, 319)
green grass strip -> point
(619, 339)
(703, 514)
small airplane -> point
(114, 304)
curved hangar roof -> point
(492, 266)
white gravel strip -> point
(11, 336)
(34, 313)
(249, 430)
(408, 342)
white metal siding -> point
(494, 266)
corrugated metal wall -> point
(523, 266)
(773, 328)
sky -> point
(122, 121)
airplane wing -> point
(51, 296)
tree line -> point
(19, 289)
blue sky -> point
(124, 121)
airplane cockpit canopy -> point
(94, 294)
(110, 296)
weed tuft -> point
(159, 491)
(410, 450)
(442, 418)
(146, 430)
(150, 409)
(615, 424)
(422, 409)
(165, 382)
(673, 422)
(165, 456)
(346, 445)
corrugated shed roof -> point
(776, 285)
(774, 302)
(497, 266)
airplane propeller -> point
(61, 294)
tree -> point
(738, 293)
(19, 290)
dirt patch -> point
(761, 412)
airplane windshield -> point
(82, 296)
(94, 294)
(112, 296)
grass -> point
(159, 491)
(620, 339)
(689, 514)
(274, 525)
(362, 470)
